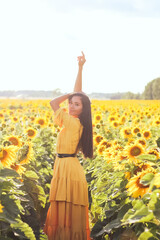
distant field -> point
(123, 177)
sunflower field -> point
(123, 177)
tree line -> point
(151, 91)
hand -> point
(81, 60)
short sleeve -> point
(61, 117)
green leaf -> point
(10, 205)
(32, 175)
(149, 157)
(7, 172)
(133, 216)
(145, 235)
(148, 218)
(153, 201)
(137, 204)
(23, 230)
(146, 179)
(41, 196)
(110, 226)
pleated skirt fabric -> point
(67, 217)
(67, 221)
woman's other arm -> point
(57, 101)
(78, 82)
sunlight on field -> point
(123, 177)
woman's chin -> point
(73, 114)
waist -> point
(63, 155)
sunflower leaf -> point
(145, 235)
(22, 229)
(146, 179)
(7, 172)
(32, 175)
(149, 157)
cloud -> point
(143, 8)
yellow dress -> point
(67, 217)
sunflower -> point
(11, 129)
(14, 140)
(121, 156)
(135, 187)
(115, 124)
(122, 119)
(143, 167)
(135, 130)
(100, 149)
(112, 118)
(134, 150)
(147, 134)
(1, 116)
(1, 208)
(31, 132)
(41, 121)
(97, 117)
(126, 132)
(97, 139)
(154, 152)
(8, 155)
(157, 122)
(98, 126)
(14, 119)
(141, 141)
(32, 118)
(105, 144)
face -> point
(75, 106)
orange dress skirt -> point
(68, 217)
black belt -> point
(63, 155)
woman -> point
(67, 217)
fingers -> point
(81, 59)
(83, 54)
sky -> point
(41, 39)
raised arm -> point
(78, 82)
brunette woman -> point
(67, 217)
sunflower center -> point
(30, 132)
(98, 117)
(127, 132)
(136, 130)
(41, 121)
(142, 142)
(115, 124)
(98, 139)
(112, 119)
(13, 140)
(15, 119)
(146, 134)
(135, 151)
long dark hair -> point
(86, 141)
